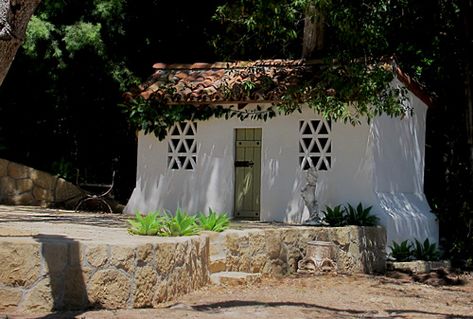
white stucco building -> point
(256, 169)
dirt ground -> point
(324, 296)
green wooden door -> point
(247, 172)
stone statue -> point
(308, 195)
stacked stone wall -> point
(276, 251)
(58, 273)
(23, 185)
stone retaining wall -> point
(23, 185)
(42, 272)
(276, 251)
(53, 272)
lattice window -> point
(182, 146)
(315, 145)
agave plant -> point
(149, 224)
(360, 216)
(335, 217)
(402, 251)
(213, 221)
(181, 224)
(426, 251)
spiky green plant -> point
(360, 216)
(402, 251)
(213, 221)
(149, 224)
(335, 217)
(181, 224)
(426, 251)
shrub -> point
(149, 225)
(402, 251)
(335, 217)
(213, 221)
(426, 251)
(181, 224)
(360, 216)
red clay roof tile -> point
(237, 82)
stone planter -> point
(319, 258)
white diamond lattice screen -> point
(315, 145)
(182, 147)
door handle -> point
(244, 163)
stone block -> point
(144, 254)
(9, 298)
(256, 242)
(24, 185)
(40, 298)
(272, 243)
(20, 263)
(257, 263)
(55, 255)
(161, 293)
(97, 255)
(75, 291)
(43, 179)
(145, 280)
(18, 171)
(419, 266)
(65, 191)
(234, 278)
(3, 167)
(7, 188)
(42, 195)
(233, 239)
(217, 264)
(23, 199)
(123, 257)
(165, 255)
(75, 253)
(109, 289)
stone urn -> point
(319, 258)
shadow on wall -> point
(398, 177)
(63, 275)
(203, 188)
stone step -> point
(234, 278)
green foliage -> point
(148, 225)
(64, 168)
(426, 250)
(251, 27)
(406, 251)
(401, 252)
(335, 217)
(360, 216)
(82, 35)
(213, 221)
(181, 224)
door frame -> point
(257, 216)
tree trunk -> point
(468, 70)
(314, 26)
(14, 17)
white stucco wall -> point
(211, 184)
(398, 176)
(380, 164)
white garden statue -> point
(310, 200)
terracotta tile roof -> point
(222, 82)
(238, 82)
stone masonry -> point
(23, 185)
(276, 251)
(49, 273)
(59, 264)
